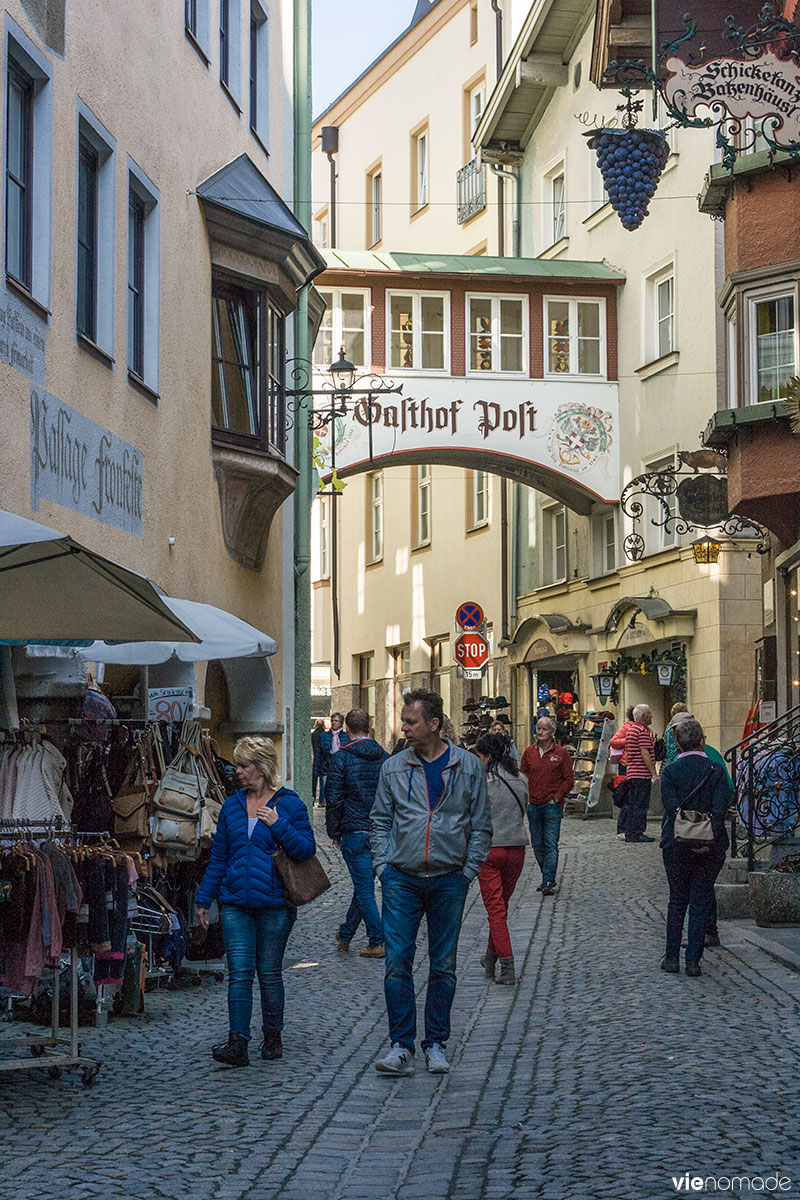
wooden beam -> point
(544, 70)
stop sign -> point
(471, 651)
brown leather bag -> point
(302, 882)
(131, 804)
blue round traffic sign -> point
(469, 615)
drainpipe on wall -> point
(301, 95)
(516, 223)
(501, 219)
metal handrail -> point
(783, 729)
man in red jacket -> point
(549, 771)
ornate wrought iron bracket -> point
(302, 396)
(683, 499)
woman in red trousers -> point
(508, 798)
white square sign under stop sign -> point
(471, 652)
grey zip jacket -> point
(455, 836)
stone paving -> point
(597, 1076)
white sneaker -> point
(435, 1060)
(621, 837)
(399, 1061)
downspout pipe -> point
(516, 223)
(501, 217)
(301, 109)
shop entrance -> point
(559, 674)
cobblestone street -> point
(597, 1076)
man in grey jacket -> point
(431, 833)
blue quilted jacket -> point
(241, 871)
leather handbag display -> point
(131, 804)
(302, 882)
(172, 830)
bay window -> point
(247, 386)
(417, 325)
(575, 336)
(497, 328)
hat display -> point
(485, 721)
(471, 720)
(543, 695)
(470, 706)
(503, 718)
(486, 702)
(501, 702)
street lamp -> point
(665, 670)
(603, 685)
(706, 550)
(343, 373)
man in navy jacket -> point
(352, 782)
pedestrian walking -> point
(431, 833)
(677, 714)
(508, 803)
(548, 768)
(352, 783)
(617, 755)
(695, 783)
(498, 729)
(318, 757)
(331, 743)
(640, 773)
(256, 920)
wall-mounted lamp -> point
(706, 550)
(665, 672)
(603, 685)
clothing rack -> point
(35, 1043)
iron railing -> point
(471, 182)
(766, 773)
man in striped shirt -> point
(640, 773)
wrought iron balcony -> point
(471, 181)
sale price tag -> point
(169, 704)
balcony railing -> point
(471, 181)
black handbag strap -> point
(712, 771)
(522, 807)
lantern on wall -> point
(665, 670)
(603, 685)
(706, 550)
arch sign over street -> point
(560, 436)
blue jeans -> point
(357, 854)
(255, 941)
(691, 879)
(405, 899)
(544, 821)
(638, 792)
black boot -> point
(489, 962)
(233, 1052)
(272, 1045)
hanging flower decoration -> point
(647, 664)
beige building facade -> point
(147, 308)
(562, 597)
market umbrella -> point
(220, 635)
(54, 589)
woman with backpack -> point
(695, 793)
(508, 801)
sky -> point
(347, 35)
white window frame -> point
(259, 126)
(146, 190)
(554, 514)
(478, 500)
(36, 66)
(324, 539)
(732, 360)
(496, 332)
(337, 324)
(416, 321)
(478, 91)
(573, 302)
(555, 225)
(422, 169)
(375, 179)
(424, 485)
(659, 538)
(321, 227)
(752, 300)
(602, 522)
(91, 130)
(653, 279)
(376, 516)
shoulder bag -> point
(694, 828)
(522, 806)
(302, 882)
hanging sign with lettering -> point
(80, 465)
